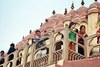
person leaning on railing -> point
(2, 57)
(98, 35)
(72, 35)
(82, 32)
(37, 38)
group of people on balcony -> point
(82, 32)
(72, 36)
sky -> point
(17, 17)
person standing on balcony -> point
(82, 32)
(11, 49)
(72, 35)
(98, 35)
(37, 38)
(2, 57)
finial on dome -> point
(82, 2)
(72, 7)
(41, 24)
(96, 0)
(23, 37)
(53, 12)
(65, 11)
(30, 31)
(46, 20)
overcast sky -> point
(17, 17)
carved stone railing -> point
(57, 55)
(74, 56)
(43, 61)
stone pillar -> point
(15, 58)
(86, 48)
(6, 61)
(65, 43)
(50, 59)
(76, 46)
(32, 54)
(25, 55)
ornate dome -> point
(81, 14)
(82, 10)
(53, 22)
(95, 7)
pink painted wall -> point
(83, 63)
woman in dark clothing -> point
(11, 49)
(98, 36)
(82, 32)
(2, 57)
